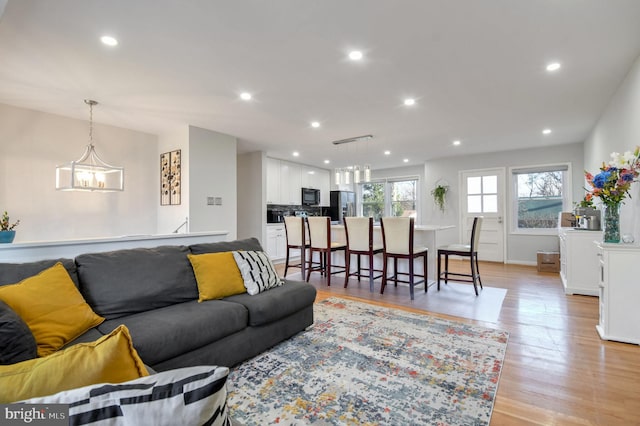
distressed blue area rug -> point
(366, 365)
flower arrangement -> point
(5, 224)
(612, 184)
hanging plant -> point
(440, 195)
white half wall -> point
(32, 143)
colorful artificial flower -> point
(612, 184)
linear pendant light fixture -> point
(89, 172)
(345, 174)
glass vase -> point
(611, 224)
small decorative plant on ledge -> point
(7, 234)
(5, 225)
(440, 195)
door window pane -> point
(474, 203)
(489, 204)
(490, 184)
(474, 185)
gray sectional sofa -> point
(153, 291)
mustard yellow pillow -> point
(52, 307)
(110, 359)
(217, 275)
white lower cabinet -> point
(276, 242)
(579, 266)
(619, 292)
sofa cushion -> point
(188, 396)
(52, 307)
(277, 303)
(246, 244)
(173, 330)
(217, 275)
(16, 340)
(109, 359)
(125, 282)
(11, 273)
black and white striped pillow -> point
(187, 396)
(258, 273)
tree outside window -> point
(540, 198)
(373, 200)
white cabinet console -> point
(619, 292)
(579, 267)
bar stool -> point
(359, 232)
(466, 250)
(397, 238)
(320, 242)
(296, 232)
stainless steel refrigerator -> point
(342, 204)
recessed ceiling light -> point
(406, 160)
(245, 96)
(315, 124)
(326, 161)
(553, 66)
(355, 55)
(296, 153)
(546, 131)
(387, 153)
(109, 41)
(409, 101)
(456, 143)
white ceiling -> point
(476, 68)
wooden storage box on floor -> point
(548, 261)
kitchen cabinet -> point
(290, 192)
(273, 181)
(286, 179)
(619, 266)
(276, 242)
(579, 266)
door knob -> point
(499, 219)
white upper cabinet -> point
(273, 181)
(285, 181)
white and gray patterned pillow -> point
(258, 273)
(188, 396)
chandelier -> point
(89, 172)
(360, 174)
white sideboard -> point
(619, 284)
(579, 267)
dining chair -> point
(397, 240)
(359, 233)
(320, 242)
(296, 234)
(465, 250)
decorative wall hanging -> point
(170, 182)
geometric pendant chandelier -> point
(89, 172)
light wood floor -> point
(557, 371)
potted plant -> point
(439, 194)
(7, 234)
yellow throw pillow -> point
(217, 275)
(52, 307)
(110, 359)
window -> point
(540, 194)
(389, 198)
(482, 194)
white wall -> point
(619, 130)
(252, 206)
(520, 248)
(32, 143)
(212, 173)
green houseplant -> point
(439, 194)
(7, 234)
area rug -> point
(367, 365)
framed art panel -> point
(170, 184)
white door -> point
(482, 194)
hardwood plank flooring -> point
(557, 371)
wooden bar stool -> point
(296, 232)
(397, 239)
(359, 233)
(320, 242)
(465, 250)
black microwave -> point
(310, 197)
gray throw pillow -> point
(16, 340)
